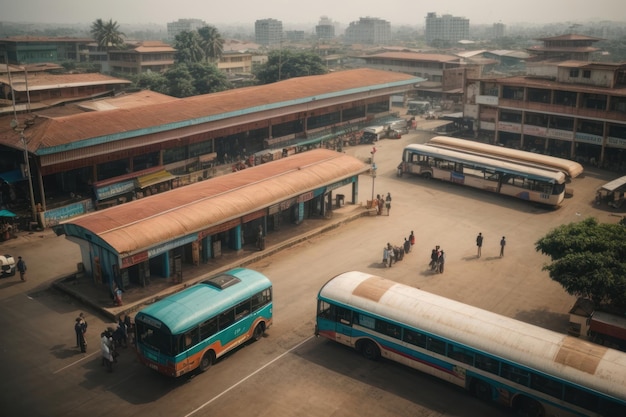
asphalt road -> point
(289, 372)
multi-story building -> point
(325, 29)
(579, 114)
(565, 47)
(368, 30)
(21, 50)
(294, 35)
(235, 63)
(498, 30)
(154, 56)
(183, 25)
(268, 32)
(446, 28)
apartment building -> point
(446, 28)
(565, 47)
(183, 25)
(21, 50)
(577, 113)
(268, 32)
(325, 29)
(235, 63)
(140, 57)
(368, 30)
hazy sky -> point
(294, 12)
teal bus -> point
(191, 329)
(535, 371)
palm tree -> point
(212, 43)
(187, 45)
(107, 34)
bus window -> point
(226, 318)
(515, 374)
(487, 364)
(324, 310)
(208, 328)
(582, 398)
(192, 338)
(547, 386)
(344, 316)
(365, 321)
(460, 354)
(242, 310)
(415, 338)
(388, 329)
(436, 345)
(261, 299)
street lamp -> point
(373, 170)
(30, 179)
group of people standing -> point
(479, 245)
(393, 254)
(437, 259)
(383, 203)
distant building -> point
(565, 47)
(325, 29)
(183, 25)
(294, 35)
(446, 28)
(20, 50)
(498, 30)
(368, 30)
(235, 63)
(268, 32)
(140, 57)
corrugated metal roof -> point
(58, 133)
(414, 56)
(46, 81)
(141, 224)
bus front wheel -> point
(258, 332)
(370, 350)
(527, 407)
(206, 362)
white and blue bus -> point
(484, 172)
(570, 168)
(535, 371)
(190, 329)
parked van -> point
(372, 134)
(418, 107)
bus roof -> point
(509, 167)
(185, 309)
(578, 361)
(570, 168)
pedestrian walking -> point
(385, 256)
(21, 267)
(502, 245)
(479, 243)
(407, 245)
(441, 261)
(390, 253)
(412, 239)
(388, 202)
(106, 349)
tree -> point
(180, 82)
(188, 47)
(107, 34)
(152, 81)
(588, 260)
(212, 43)
(284, 64)
(207, 78)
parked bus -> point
(491, 174)
(535, 371)
(189, 330)
(570, 168)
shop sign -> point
(588, 138)
(561, 134)
(615, 142)
(535, 130)
(340, 184)
(108, 191)
(172, 244)
(510, 127)
(305, 197)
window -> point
(415, 338)
(573, 73)
(487, 364)
(260, 299)
(226, 318)
(436, 345)
(344, 316)
(586, 74)
(192, 337)
(461, 354)
(242, 310)
(208, 328)
(388, 329)
(547, 386)
(581, 398)
(515, 374)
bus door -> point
(343, 325)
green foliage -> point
(185, 80)
(212, 43)
(588, 260)
(188, 45)
(107, 34)
(285, 64)
(152, 81)
(207, 78)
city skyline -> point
(397, 12)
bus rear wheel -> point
(527, 407)
(481, 390)
(206, 362)
(427, 175)
(370, 350)
(258, 332)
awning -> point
(615, 184)
(158, 177)
(7, 213)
